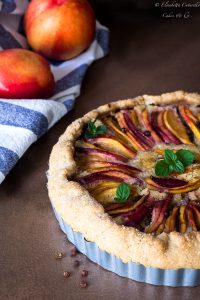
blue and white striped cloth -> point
(22, 122)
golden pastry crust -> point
(84, 214)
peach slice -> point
(137, 215)
(164, 184)
(120, 174)
(111, 144)
(84, 144)
(194, 124)
(103, 185)
(158, 214)
(148, 141)
(146, 122)
(165, 133)
(190, 119)
(196, 214)
(105, 193)
(105, 197)
(134, 117)
(138, 144)
(106, 165)
(153, 185)
(161, 227)
(193, 185)
(170, 224)
(121, 210)
(191, 115)
(118, 132)
(182, 219)
(116, 206)
(93, 179)
(155, 215)
(126, 208)
(177, 128)
(190, 186)
(156, 127)
(191, 220)
(99, 154)
(169, 182)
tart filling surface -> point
(127, 176)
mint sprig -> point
(174, 162)
(122, 193)
(92, 130)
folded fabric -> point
(22, 122)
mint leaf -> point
(169, 156)
(162, 168)
(92, 130)
(101, 129)
(185, 156)
(178, 167)
(122, 193)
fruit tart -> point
(124, 182)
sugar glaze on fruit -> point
(126, 153)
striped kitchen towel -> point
(22, 122)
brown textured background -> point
(148, 54)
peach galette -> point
(127, 176)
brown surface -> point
(148, 55)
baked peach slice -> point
(138, 144)
(120, 133)
(165, 184)
(196, 213)
(105, 193)
(137, 215)
(105, 197)
(111, 144)
(129, 178)
(182, 219)
(84, 144)
(91, 180)
(170, 224)
(146, 123)
(158, 214)
(174, 124)
(172, 185)
(161, 227)
(134, 117)
(191, 220)
(191, 186)
(101, 186)
(166, 135)
(99, 154)
(190, 119)
(124, 208)
(106, 165)
(137, 132)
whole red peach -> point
(59, 29)
(24, 74)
